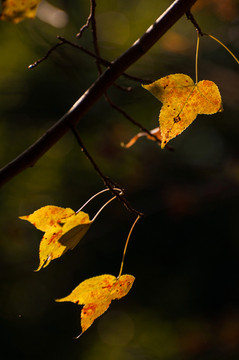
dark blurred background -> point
(184, 253)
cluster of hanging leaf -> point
(182, 101)
(17, 10)
(63, 229)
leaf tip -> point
(163, 144)
(23, 217)
(78, 336)
(58, 300)
(145, 86)
(65, 299)
(39, 268)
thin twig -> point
(123, 88)
(128, 117)
(88, 52)
(136, 123)
(194, 22)
(86, 25)
(79, 47)
(94, 34)
(97, 51)
(110, 184)
(53, 48)
(102, 60)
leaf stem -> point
(126, 244)
(196, 59)
(92, 197)
(102, 207)
(230, 52)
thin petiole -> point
(196, 59)
(230, 52)
(102, 207)
(92, 197)
(126, 244)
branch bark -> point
(31, 155)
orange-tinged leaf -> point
(17, 10)
(63, 230)
(182, 101)
(156, 132)
(96, 295)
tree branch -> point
(88, 52)
(194, 22)
(31, 155)
(92, 10)
(110, 184)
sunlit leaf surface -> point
(96, 295)
(63, 230)
(182, 101)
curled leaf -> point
(63, 230)
(182, 101)
(17, 10)
(156, 132)
(96, 295)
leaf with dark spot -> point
(96, 295)
(182, 101)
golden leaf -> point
(63, 230)
(96, 295)
(182, 101)
(17, 10)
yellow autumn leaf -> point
(96, 295)
(17, 10)
(63, 230)
(182, 101)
